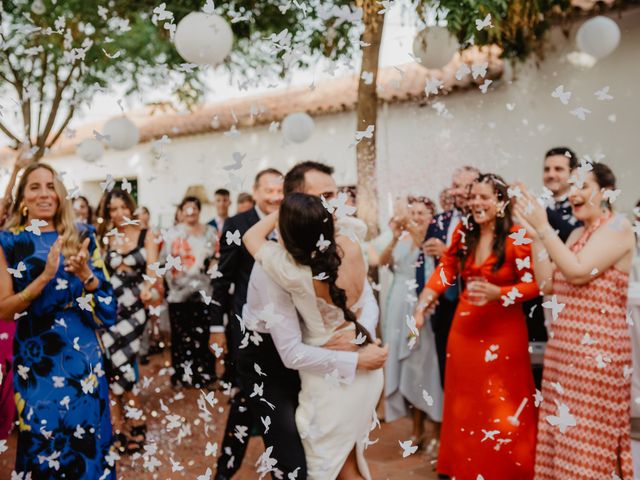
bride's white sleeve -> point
(281, 267)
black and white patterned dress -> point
(122, 340)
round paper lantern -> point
(38, 7)
(435, 47)
(203, 39)
(123, 133)
(297, 127)
(90, 150)
(598, 37)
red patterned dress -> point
(587, 369)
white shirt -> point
(270, 309)
(455, 220)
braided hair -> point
(308, 233)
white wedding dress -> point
(332, 417)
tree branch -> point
(55, 104)
(10, 134)
(45, 63)
(63, 126)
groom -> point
(272, 351)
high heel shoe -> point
(433, 448)
(418, 441)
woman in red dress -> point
(489, 418)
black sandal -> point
(119, 442)
(134, 445)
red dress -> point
(587, 368)
(488, 379)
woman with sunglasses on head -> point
(489, 417)
(584, 423)
(53, 284)
(412, 366)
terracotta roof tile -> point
(403, 83)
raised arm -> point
(606, 247)
(257, 235)
(263, 296)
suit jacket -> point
(235, 266)
(439, 228)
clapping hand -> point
(530, 213)
(53, 260)
(78, 264)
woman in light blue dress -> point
(411, 373)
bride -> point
(333, 418)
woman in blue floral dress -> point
(53, 283)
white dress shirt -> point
(270, 309)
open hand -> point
(78, 264)
(53, 260)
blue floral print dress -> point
(61, 390)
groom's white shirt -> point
(269, 309)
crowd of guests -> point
(281, 289)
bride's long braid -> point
(303, 219)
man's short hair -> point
(294, 179)
(266, 171)
(468, 168)
(565, 151)
(223, 192)
(244, 197)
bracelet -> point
(89, 280)
(25, 296)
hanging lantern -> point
(90, 150)
(297, 127)
(123, 133)
(203, 39)
(435, 47)
(598, 37)
(38, 7)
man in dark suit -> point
(222, 202)
(229, 296)
(437, 239)
(558, 164)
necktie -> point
(420, 273)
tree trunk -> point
(367, 114)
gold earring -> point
(24, 210)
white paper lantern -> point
(297, 127)
(598, 37)
(38, 7)
(435, 47)
(203, 39)
(90, 150)
(123, 133)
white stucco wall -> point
(417, 148)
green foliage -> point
(519, 26)
(77, 47)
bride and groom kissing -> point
(311, 373)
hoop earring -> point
(24, 210)
(500, 213)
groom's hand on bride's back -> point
(343, 340)
(372, 356)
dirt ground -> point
(180, 437)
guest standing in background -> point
(54, 285)
(144, 217)
(244, 202)
(634, 308)
(559, 162)
(189, 296)
(7, 327)
(584, 423)
(438, 238)
(410, 369)
(447, 200)
(222, 202)
(82, 210)
(489, 419)
(130, 252)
